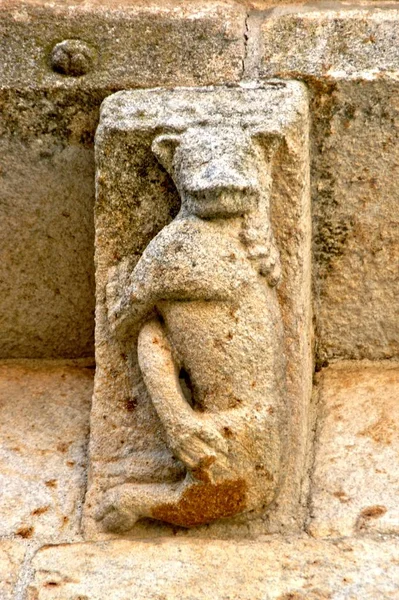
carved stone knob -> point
(72, 57)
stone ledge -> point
(130, 45)
(296, 568)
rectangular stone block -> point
(349, 59)
(136, 199)
(275, 569)
(44, 423)
(355, 480)
(47, 234)
(137, 44)
(356, 221)
(346, 42)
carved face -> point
(214, 169)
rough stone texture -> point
(127, 440)
(342, 41)
(134, 45)
(356, 223)
(355, 481)
(349, 59)
(47, 233)
(11, 556)
(46, 145)
(274, 569)
(347, 56)
(44, 423)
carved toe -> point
(114, 516)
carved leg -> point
(125, 504)
(188, 503)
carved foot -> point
(117, 511)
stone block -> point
(356, 221)
(137, 44)
(44, 408)
(274, 569)
(355, 481)
(47, 236)
(348, 57)
(11, 557)
(346, 42)
(135, 200)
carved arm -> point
(195, 440)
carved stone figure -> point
(202, 314)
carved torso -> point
(204, 305)
(217, 310)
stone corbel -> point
(203, 309)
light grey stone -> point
(355, 481)
(135, 199)
(348, 42)
(44, 425)
(292, 568)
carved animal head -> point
(223, 172)
(215, 169)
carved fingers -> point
(199, 445)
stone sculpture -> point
(201, 312)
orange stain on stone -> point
(203, 503)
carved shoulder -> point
(191, 260)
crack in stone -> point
(246, 38)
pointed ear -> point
(164, 147)
(268, 141)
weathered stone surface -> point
(347, 56)
(47, 233)
(11, 557)
(274, 569)
(136, 199)
(46, 151)
(356, 221)
(342, 41)
(349, 59)
(355, 481)
(44, 423)
(140, 44)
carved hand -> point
(198, 444)
(125, 310)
